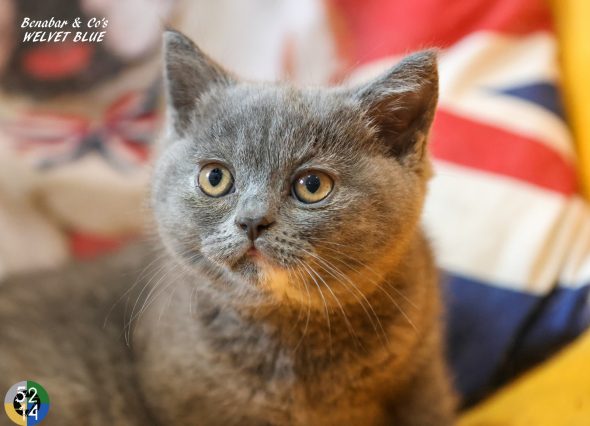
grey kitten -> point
(295, 285)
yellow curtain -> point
(556, 394)
(572, 20)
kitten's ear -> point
(401, 104)
(188, 73)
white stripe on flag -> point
(576, 270)
(490, 59)
(500, 230)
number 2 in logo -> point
(26, 403)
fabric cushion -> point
(557, 393)
(511, 233)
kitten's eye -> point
(312, 186)
(215, 180)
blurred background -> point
(511, 145)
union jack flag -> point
(511, 233)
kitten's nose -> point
(253, 226)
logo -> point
(26, 403)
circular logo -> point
(26, 403)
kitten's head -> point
(286, 191)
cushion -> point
(511, 232)
(557, 393)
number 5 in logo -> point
(26, 403)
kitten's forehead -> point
(272, 126)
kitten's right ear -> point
(189, 73)
(400, 105)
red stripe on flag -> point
(366, 30)
(473, 144)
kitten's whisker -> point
(299, 285)
(325, 305)
(135, 315)
(399, 308)
(128, 326)
(145, 286)
(329, 268)
(366, 267)
(130, 289)
(166, 305)
(149, 301)
(346, 319)
(308, 310)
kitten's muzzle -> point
(253, 227)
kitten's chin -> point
(256, 271)
(253, 266)
(252, 261)
(263, 273)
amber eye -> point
(312, 186)
(215, 180)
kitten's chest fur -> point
(275, 365)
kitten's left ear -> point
(189, 73)
(401, 104)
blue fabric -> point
(544, 94)
(483, 322)
(494, 333)
(564, 315)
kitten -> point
(298, 288)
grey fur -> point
(340, 322)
